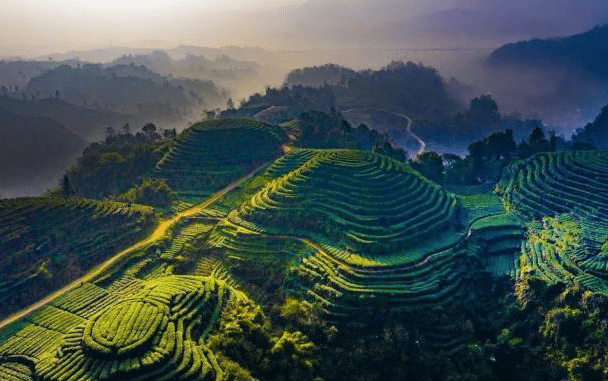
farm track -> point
(160, 231)
(421, 142)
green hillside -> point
(558, 182)
(361, 201)
(211, 154)
(568, 190)
(283, 263)
(353, 228)
(47, 242)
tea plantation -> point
(262, 228)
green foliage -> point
(117, 164)
(571, 322)
(153, 192)
(429, 164)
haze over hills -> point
(34, 151)
(304, 190)
(568, 74)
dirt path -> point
(420, 142)
(160, 231)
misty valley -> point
(379, 192)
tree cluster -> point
(113, 166)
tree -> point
(150, 130)
(66, 187)
(110, 132)
(230, 104)
(430, 164)
(483, 109)
(456, 169)
(536, 143)
(595, 133)
(169, 133)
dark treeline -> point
(485, 158)
(119, 163)
(481, 118)
(403, 87)
(316, 129)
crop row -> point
(210, 154)
(559, 182)
(32, 341)
(15, 372)
(159, 333)
(39, 235)
(374, 202)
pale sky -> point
(51, 26)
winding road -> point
(158, 233)
(420, 142)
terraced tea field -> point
(365, 202)
(153, 329)
(567, 189)
(211, 154)
(49, 241)
(349, 232)
(355, 228)
(548, 184)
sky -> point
(31, 27)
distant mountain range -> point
(563, 80)
(34, 151)
(585, 53)
(87, 123)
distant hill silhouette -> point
(34, 152)
(123, 88)
(18, 73)
(220, 68)
(88, 123)
(562, 80)
(586, 52)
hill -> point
(34, 152)
(280, 262)
(567, 76)
(90, 124)
(15, 75)
(48, 242)
(584, 53)
(211, 154)
(566, 189)
(404, 87)
(123, 88)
